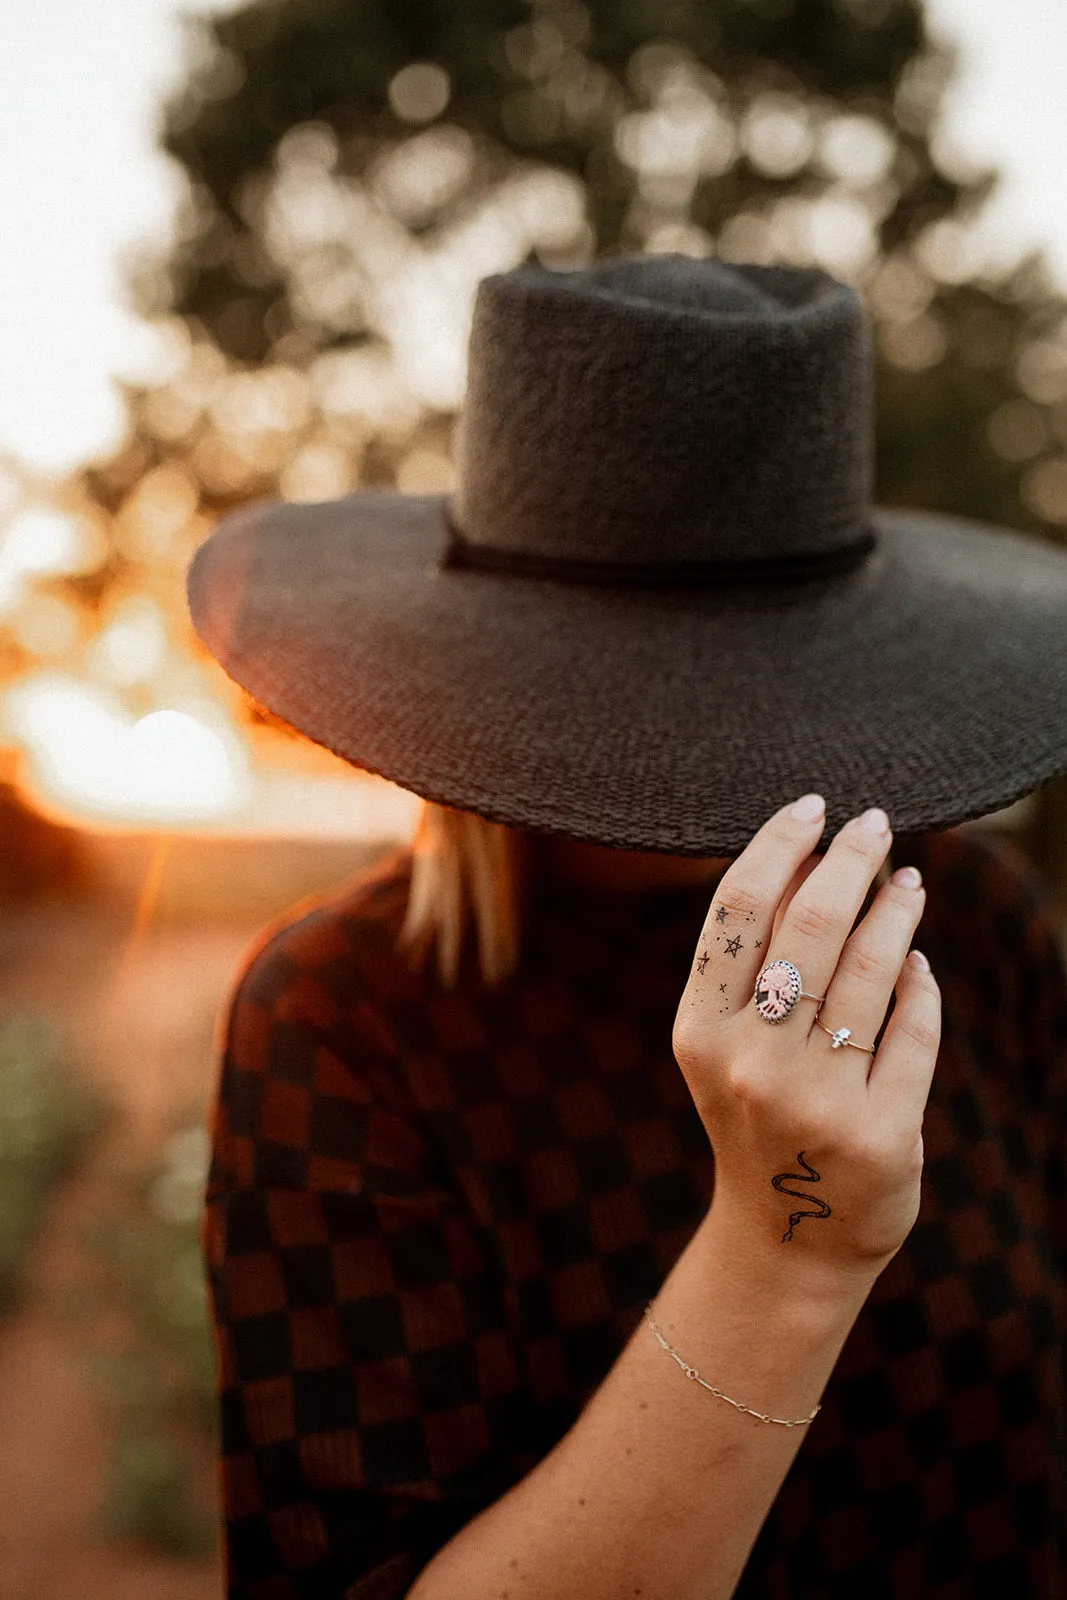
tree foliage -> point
(555, 84)
(354, 166)
(335, 147)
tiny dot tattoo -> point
(734, 945)
(702, 963)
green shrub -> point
(149, 1497)
(161, 1379)
(46, 1115)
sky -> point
(81, 184)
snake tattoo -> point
(779, 1183)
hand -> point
(818, 1151)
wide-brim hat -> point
(659, 603)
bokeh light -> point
(329, 352)
(86, 752)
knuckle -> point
(745, 1081)
(742, 898)
(861, 844)
(812, 920)
(783, 829)
(911, 1155)
(686, 1038)
(860, 961)
(875, 1154)
(906, 1151)
(927, 1035)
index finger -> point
(733, 942)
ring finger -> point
(859, 992)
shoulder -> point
(325, 975)
(333, 945)
(310, 1088)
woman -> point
(566, 1176)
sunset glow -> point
(84, 752)
(116, 715)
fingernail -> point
(907, 877)
(808, 808)
(875, 820)
(917, 959)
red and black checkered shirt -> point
(433, 1220)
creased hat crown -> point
(661, 409)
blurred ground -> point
(137, 993)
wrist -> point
(765, 1335)
(772, 1278)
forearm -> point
(659, 1489)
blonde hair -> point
(464, 868)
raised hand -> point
(817, 1141)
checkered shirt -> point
(433, 1220)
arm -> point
(659, 1489)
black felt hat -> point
(660, 603)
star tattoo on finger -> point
(734, 945)
(720, 915)
(702, 963)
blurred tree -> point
(354, 166)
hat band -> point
(800, 568)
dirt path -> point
(140, 1020)
(53, 1449)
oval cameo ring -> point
(778, 989)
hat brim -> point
(932, 680)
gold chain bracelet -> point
(691, 1372)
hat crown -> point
(665, 410)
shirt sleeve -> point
(365, 1361)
